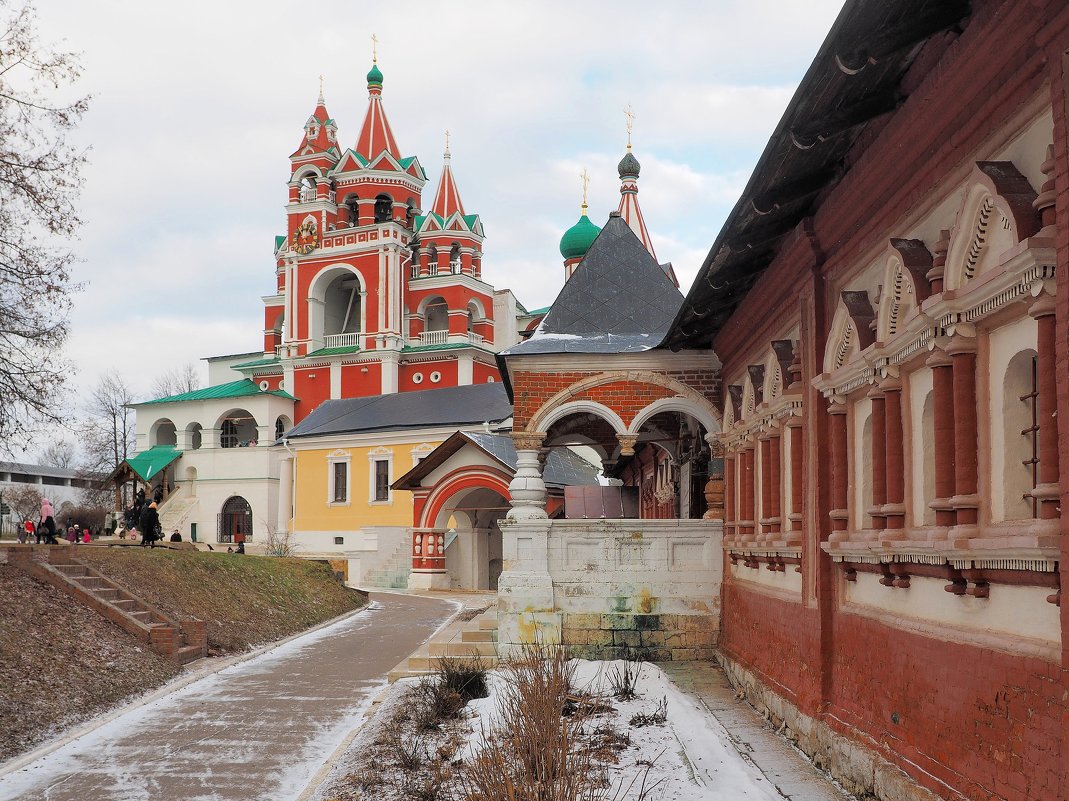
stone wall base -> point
(858, 769)
(653, 638)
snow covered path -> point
(258, 729)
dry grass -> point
(245, 600)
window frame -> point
(333, 460)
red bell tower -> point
(374, 295)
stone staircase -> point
(461, 639)
(175, 511)
(179, 640)
(394, 572)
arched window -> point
(237, 430)
(454, 259)
(195, 436)
(432, 260)
(228, 434)
(383, 208)
(164, 433)
(436, 315)
(308, 188)
(928, 454)
(1020, 420)
(281, 426)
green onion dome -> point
(374, 76)
(578, 239)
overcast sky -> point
(197, 106)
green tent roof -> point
(266, 362)
(235, 389)
(148, 463)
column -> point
(894, 508)
(943, 424)
(965, 501)
(428, 560)
(285, 494)
(527, 490)
(1047, 489)
(366, 210)
(766, 491)
(840, 466)
(879, 460)
(443, 261)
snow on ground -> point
(691, 754)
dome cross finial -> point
(374, 49)
(321, 101)
(629, 116)
(447, 143)
(586, 183)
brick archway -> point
(460, 480)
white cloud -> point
(198, 105)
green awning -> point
(148, 463)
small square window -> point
(339, 540)
(382, 480)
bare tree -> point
(176, 381)
(109, 426)
(24, 502)
(59, 454)
(40, 177)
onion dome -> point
(628, 165)
(374, 77)
(578, 239)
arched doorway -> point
(235, 520)
(473, 554)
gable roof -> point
(618, 300)
(432, 408)
(563, 468)
(235, 389)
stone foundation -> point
(652, 638)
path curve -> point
(258, 729)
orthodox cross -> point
(447, 141)
(320, 85)
(586, 182)
(374, 49)
(629, 116)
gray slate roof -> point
(39, 470)
(619, 300)
(563, 468)
(432, 408)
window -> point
(228, 435)
(382, 480)
(1031, 436)
(339, 540)
(340, 482)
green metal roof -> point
(267, 361)
(470, 219)
(448, 346)
(543, 310)
(279, 241)
(578, 239)
(334, 351)
(235, 389)
(148, 463)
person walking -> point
(29, 530)
(48, 523)
(149, 525)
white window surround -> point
(380, 454)
(335, 457)
(421, 451)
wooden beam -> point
(845, 118)
(903, 35)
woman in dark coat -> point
(149, 525)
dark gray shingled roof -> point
(563, 468)
(619, 300)
(432, 408)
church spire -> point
(447, 198)
(375, 134)
(629, 209)
(320, 131)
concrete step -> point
(187, 653)
(423, 663)
(107, 594)
(488, 620)
(462, 649)
(478, 635)
(141, 616)
(125, 604)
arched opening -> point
(191, 481)
(669, 468)
(237, 429)
(282, 425)
(163, 433)
(350, 209)
(1020, 425)
(341, 305)
(235, 520)
(454, 258)
(863, 470)
(435, 321)
(383, 208)
(196, 436)
(308, 187)
(473, 552)
(414, 255)
(410, 214)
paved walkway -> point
(790, 772)
(256, 730)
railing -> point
(434, 337)
(475, 339)
(308, 194)
(342, 340)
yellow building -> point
(343, 458)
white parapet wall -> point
(611, 588)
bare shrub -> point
(623, 679)
(658, 717)
(464, 676)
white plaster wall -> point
(648, 566)
(1003, 344)
(1010, 612)
(789, 582)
